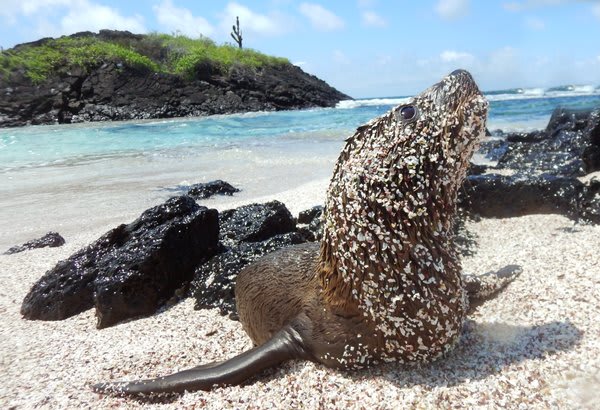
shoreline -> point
(534, 345)
(297, 199)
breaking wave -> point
(498, 95)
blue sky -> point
(365, 48)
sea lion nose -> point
(463, 76)
(459, 72)
(467, 85)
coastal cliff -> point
(117, 75)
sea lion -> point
(384, 284)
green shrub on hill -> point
(186, 54)
(175, 54)
(39, 61)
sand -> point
(537, 345)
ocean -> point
(62, 177)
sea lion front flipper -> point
(481, 288)
(284, 345)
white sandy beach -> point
(536, 346)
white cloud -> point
(320, 17)
(535, 23)
(11, 9)
(372, 19)
(503, 65)
(596, 10)
(29, 7)
(451, 56)
(251, 21)
(452, 9)
(84, 15)
(77, 15)
(179, 19)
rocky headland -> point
(117, 75)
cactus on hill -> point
(236, 34)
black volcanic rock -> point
(311, 218)
(50, 240)
(247, 233)
(591, 152)
(493, 149)
(131, 270)
(207, 189)
(564, 119)
(589, 206)
(569, 146)
(255, 222)
(529, 137)
(309, 215)
(112, 90)
(499, 196)
(214, 281)
(476, 169)
(545, 164)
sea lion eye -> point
(408, 113)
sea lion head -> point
(392, 197)
(450, 116)
(414, 156)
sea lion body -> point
(282, 289)
(384, 284)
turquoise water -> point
(517, 109)
(64, 177)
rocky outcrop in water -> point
(50, 240)
(114, 91)
(544, 166)
(569, 146)
(132, 270)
